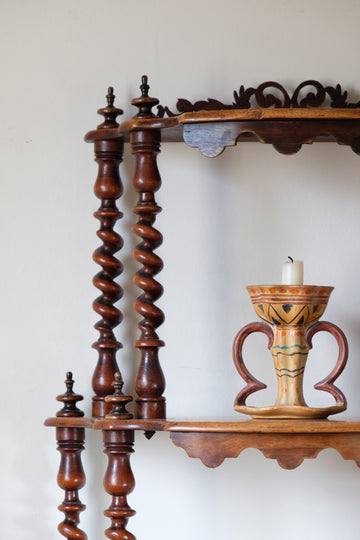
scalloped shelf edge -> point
(289, 449)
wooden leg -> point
(119, 482)
(71, 478)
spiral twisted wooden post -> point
(150, 381)
(108, 188)
(71, 476)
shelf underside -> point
(212, 131)
(287, 441)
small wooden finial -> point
(69, 399)
(145, 102)
(109, 112)
(118, 384)
(118, 400)
(69, 382)
(110, 96)
(144, 86)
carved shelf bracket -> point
(212, 139)
(289, 449)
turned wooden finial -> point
(145, 102)
(109, 112)
(144, 86)
(110, 96)
(118, 400)
(69, 399)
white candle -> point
(293, 273)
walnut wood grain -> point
(288, 449)
(118, 401)
(287, 441)
(309, 93)
(83, 422)
(221, 115)
(119, 482)
(268, 114)
(150, 380)
(232, 426)
(108, 188)
(71, 477)
(287, 136)
(286, 129)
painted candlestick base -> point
(290, 315)
(283, 412)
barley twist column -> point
(150, 381)
(108, 188)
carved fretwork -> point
(271, 94)
(108, 188)
(119, 482)
(150, 382)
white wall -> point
(243, 213)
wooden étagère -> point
(268, 114)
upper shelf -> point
(268, 114)
(286, 129)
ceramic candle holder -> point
(290, 318)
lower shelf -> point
(287, 441)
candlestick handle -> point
(326, 384)
(252, 384)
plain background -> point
(227, 223)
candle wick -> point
(291, 259)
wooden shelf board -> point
(212, 441)
(231, 426)
(269, 114)
(287, 441)
(70, 421)
(211, 426)
(244, 123)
